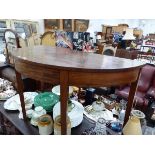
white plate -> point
(94, 115)
(56, 90)
(13, 103)
(76, 115)
(7, 94)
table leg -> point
(64, 88)
(20, 87)
(2, 124)
(132, 92)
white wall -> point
(147, 25)
(41, 26)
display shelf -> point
(25, 128)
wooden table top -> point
(64, 58)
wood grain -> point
(64, 58)
(64, 89)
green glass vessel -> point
(47, 100)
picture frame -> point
(81, 25)
(52, 24)
(67, 24)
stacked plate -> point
(56, 90)
(13, 103)
(47, 100)
(75, 115)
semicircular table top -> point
(74, 60)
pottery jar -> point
(45, 125)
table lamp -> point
(128, 35)
(133, 126)
(127, 38)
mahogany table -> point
(66, 67)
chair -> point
(122, 53)
(109, 50)
(144, 84)
(11, 43)
(151, 91)
(64, 39)
(48, 38)
(11, 39)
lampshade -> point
(98, 37)
(133, 126)
(128, 35)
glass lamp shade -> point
(128, 35)
(133, 126)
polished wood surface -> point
(64, 58)
(66, 67)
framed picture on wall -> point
(67, 24)
(81, 25)
(52, 24)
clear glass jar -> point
(100, 128)
(57, 126)
(98, 105)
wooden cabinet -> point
(119, 29)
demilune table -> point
(66, 67)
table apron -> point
(95, 79)
(37, 72)
(103, 79)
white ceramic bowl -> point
(56, 90)
(75, 115)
